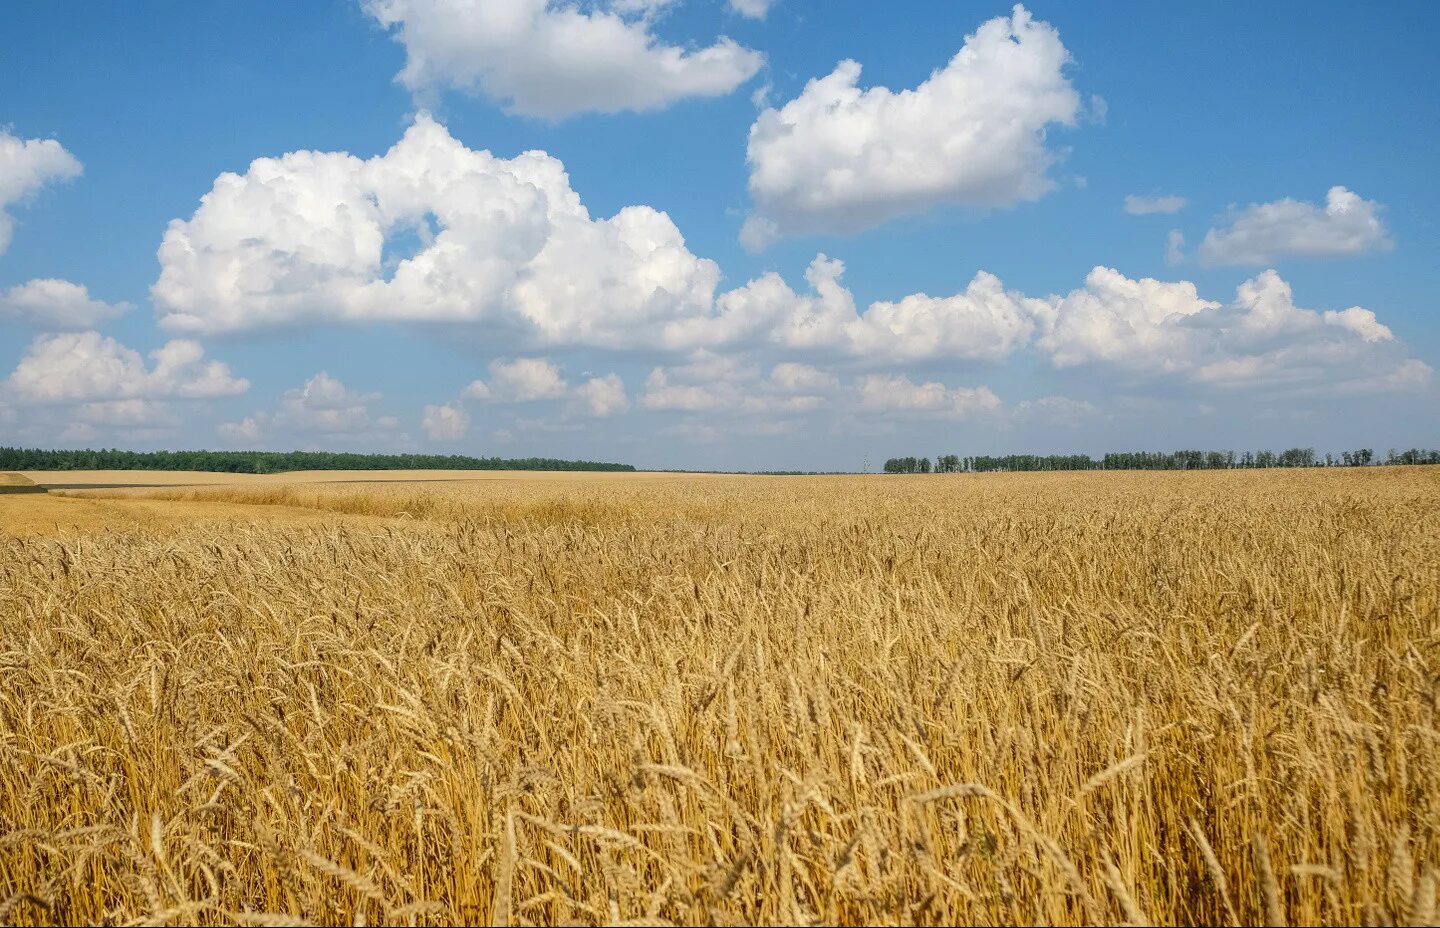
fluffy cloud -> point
(838, 157)
(304, 237)
(1145, 206)
(641, 8)
(57, 304)
(802, 378)
(522, 380)
(447, 422)
(1411, 375)
(26, 165)
(767, 309)
(1361, 321)
(662, 393)
(134, 412)
(898, 394)
(1263, 232)
(246, 431)
(554, 59)
(712, 382)
(709, 382)
(507, 244)
(1139, 329)
(1174, 248)
(528, 380)
(87, 366)
(1121, 321)
(985, 322)
(321, 407)
(325, 404)
(1261, 339)
(602, 396)
(752, 9)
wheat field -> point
(1018, 699)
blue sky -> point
(685, 356)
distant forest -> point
(274, 462)
(1156, 460)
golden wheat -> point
(1004, 698)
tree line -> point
(1156, 460)
(274, 462)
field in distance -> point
(163, 478)
(607, 698)
(66, 513)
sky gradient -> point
(719, 233)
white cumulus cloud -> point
(57, 304)
(793, 377)
(603, 396)
(752, 9)
(507, 243)
(767, 309)
(133, 412)
(1174, 248)
(896, 393)
(1261, 339)
(1361, 321)
(726, 383)
(985, 322)
(321, 407)
(1145, 206)
(325, 404)
(1346, 225)
(506, 246)
(1410, 375)
(1122, 321)
(530, 380)
(841, 158)
(27, 165)
(246, 431)
(522, 380)
(554, 59)
(304, 237)
(87, 366)
(446, 422)
(709, 384)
